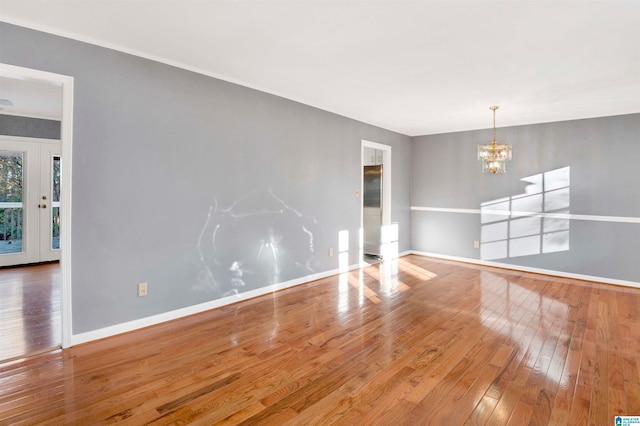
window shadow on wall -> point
(532, 223)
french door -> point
(29, 201)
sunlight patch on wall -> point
(389, 240)
(258, 240)
(527, 224)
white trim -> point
(66, 152)
(10, 205)
(66, 142)
(447, 210)
(196, 309)
(570, 216)
(530, 269)
(25, 139)
(213, 304)
(37, 116)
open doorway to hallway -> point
(376, 202)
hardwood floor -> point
(411, 341)
(29, 310)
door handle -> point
(42, 206)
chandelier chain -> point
(494, 108)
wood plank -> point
(29, 310)
(581, 402)
(521, 415)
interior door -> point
(27, 189)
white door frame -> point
(66, 143)
(386, 189)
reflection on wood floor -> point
(29, 310)
(410, 341)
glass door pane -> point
(55, 204)
(11, 199)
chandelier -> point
(494, 155)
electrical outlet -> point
(476, 244)
(142, 289)
(331, 252)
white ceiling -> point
(416, 67)
(31, 99)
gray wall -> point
(11, 125)
(204, 188)
(600, 156)
(198, 186)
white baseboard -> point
(529, 269)
(125, 327)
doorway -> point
(54, 184)
(376, 201)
